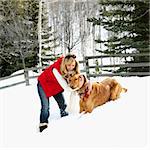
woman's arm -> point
(61, 80)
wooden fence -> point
(26, 77)
(114, 65)
(87, 67)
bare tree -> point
(70, 22)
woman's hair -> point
(69, 59)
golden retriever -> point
(95, 94)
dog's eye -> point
(76, 79)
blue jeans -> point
(45, 103)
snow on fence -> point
(26, 75)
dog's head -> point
(69, 75)
(77, 81)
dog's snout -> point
(72, 87)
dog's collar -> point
(84, 81)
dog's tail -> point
(114, 83)
(124, 90)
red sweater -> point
(48, 81)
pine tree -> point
(128, 23)
(18, 38)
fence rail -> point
(119, 55)
(121, 74)
(8, 77)
(146, 64)
(87, 68)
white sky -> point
(123, 124)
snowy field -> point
(123, 124)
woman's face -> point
(71, 66)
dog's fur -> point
(99, 94)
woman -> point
(48, 86)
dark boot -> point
(43, 126)
(63, 113)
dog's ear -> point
(84, 77)
(80, 77)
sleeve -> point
(61, 80)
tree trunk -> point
(39, 33)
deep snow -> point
(122, 124)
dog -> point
(95, 94)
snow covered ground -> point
(123, 124)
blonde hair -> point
(69, 59)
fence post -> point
(87, 67)
(26, 75)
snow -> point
(122, 124)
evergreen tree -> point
(18, 38)
(128, 23)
